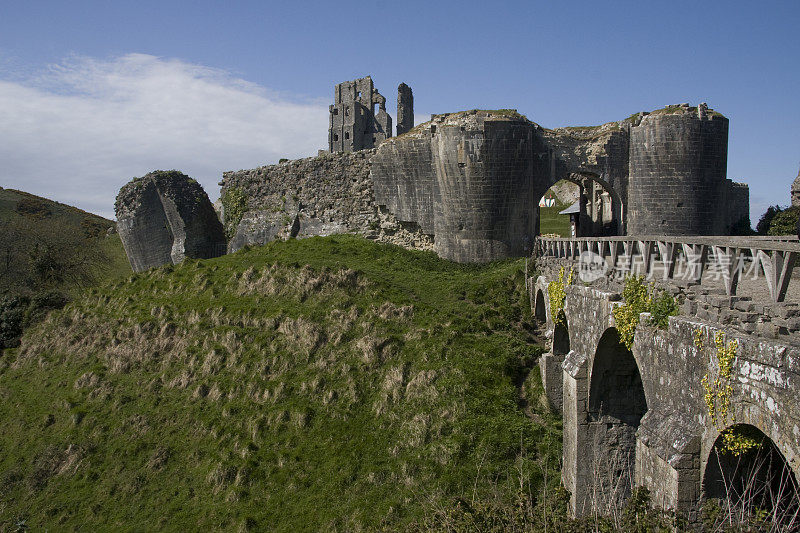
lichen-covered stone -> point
(164, 217)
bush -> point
(639, 298)
(43, 303)
(663, 307)
(784, 222)
(12, 310)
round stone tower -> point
(484, 164)
(678, 164)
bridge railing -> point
(687, 257)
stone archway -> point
(753, 484)
(617, 404)
(560, 335)
(540, 310)
(597, 212)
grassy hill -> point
(318, 384)
(31, 227)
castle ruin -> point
(354, 124)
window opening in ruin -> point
(758, 479)
(347, 111)
(335, 137)
(347, 135)
(617, 404)
(335, 111)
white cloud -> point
(80, 130)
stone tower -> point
(678, 164)
(405, 109)
(795, 192)
(354, 124)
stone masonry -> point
(469, 182)
(405, 109)
(165, 217)
(795, 191)
(323, 195)
(354, 124)
(609, 447)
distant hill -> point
(20, 203)
(47, 245)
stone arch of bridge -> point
(540, 309)
(560, 335)
(616, 405)
(758, 478)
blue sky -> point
(94, 93)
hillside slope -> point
(29, 224)
(317, 384)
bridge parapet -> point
(730, 257)
(743, 282)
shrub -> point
(12, 310)
(235, 204)
(784, 222)
(663, 307)
(43, 303)
(639, 298)
(33, 208)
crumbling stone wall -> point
(165, 217)
(468, 183)
(470, 178)
(323, 195)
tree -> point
(762, 228)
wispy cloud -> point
(79, 130)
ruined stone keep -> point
(164, 217)
(354, 124)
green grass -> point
(36, 214)
(551, 222)
(317, 384)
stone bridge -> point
(639, 416)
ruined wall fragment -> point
(164, 217)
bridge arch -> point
(560, 335)
(616, 405)
(540, 309)
(755, 480)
